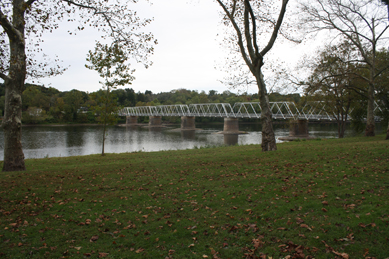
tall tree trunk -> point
(370, 123)
(387, 132)
(268, 137)
(14, 84)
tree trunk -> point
(387, 132)
(370, 123)
(14, 84)
(268, 137)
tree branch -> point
(276, 29)
(239, 34)
(11, 31)
(4, 76)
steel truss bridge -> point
(280, 110)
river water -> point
(63, 141)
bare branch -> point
(4, 76)
(11, 31)
(276, 29)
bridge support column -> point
(231, 126)
(188, 123)
(155, 121)
(131, 120)
(298, 129)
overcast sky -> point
(185, 57)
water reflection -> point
(231, 139)
(188, 134)
(56, 141)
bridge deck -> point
(280, 110)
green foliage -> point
(106, 107)
(34, 115)
(111, 64)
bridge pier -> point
(155, 121)
(298, 129)
(231, 126)
(131, 120)
(188, 123)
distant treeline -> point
(49, 105)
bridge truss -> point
(280, 110)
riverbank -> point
(310, 199)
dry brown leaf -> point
(93, 238)
(103, 255)
(343, 255)
(305, 226)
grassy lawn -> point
(310, 199)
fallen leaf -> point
(77, 247)
(305, 226)
(103, 255)
(93, 238)
(343, 255)
(141, 250)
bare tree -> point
(364, 23)
(246, 20)
(23, 21)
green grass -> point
(310, 199)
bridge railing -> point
(280, 110)
(211, 110)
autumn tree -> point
(110, 61)
(364, 23)
(336, 82)
(249, 21)
(23, 22)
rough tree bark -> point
(14, 84)
(268, 136)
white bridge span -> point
(280, 110)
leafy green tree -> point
(34, 115)
(365, 24)
(22, 22)
(336, 83)
(110, 61)
(73, 100)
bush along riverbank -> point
(310, 199)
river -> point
(72, 140)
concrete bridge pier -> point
(188, 123)
(131, 120)
(231, 126)
(298, 129)
(155, 121)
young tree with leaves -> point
(336, 83)
(365, 24)
(23, 22)
(111, 64)
(248, 19)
